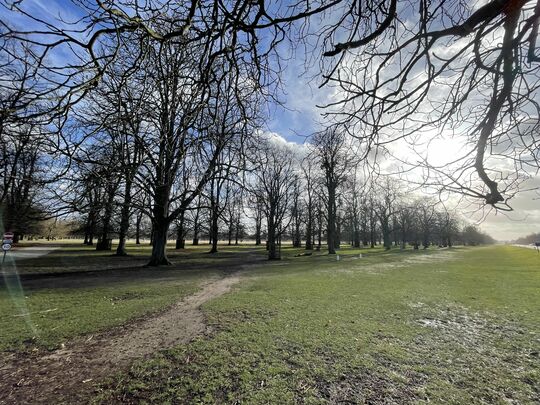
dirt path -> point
(527, 246)
(69, 374)
(29, 252)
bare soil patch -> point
(70, 373)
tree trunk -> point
(237, 232)
(180, 241)
(160, 228)
(331, 225)
(210, 230)
(230, 233)
(214, 230)
(91, 228)
(386, 234)
(297, 241)
(356, 241)
(319, 232)
(258, 227)
(309, 229)
(159, 245)
(124, 221)
(104, 242)
(273, 253)
(337, 238)
(138, 229)
(196, 232)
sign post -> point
(6, 244)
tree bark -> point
(273, 253)
(258, 233)
(230, 232)
(180, 240)
(386, 234)
(331, 225)
(319, 231)
(103, 243)
(160, 227)
(214, 230)
(138, 229)
(159, 245)
(124, 221)
(196, 228)
(237, 232)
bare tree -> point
(385, 206)
(466, 68)
(333, 154)
(309, 176)
(274, 183)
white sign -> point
(6, 247)
(8, 235)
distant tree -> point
(526, 240)
(385, 206)
(471, 236)
(448, 226)
(274, 184)
(296, 214)
(334, 156)
(311, 178)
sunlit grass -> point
(456, 329)
(49, 317)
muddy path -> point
(69, 375)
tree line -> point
(154, 112)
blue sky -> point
(294, 120)
(299, 117)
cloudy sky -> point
(299, 116)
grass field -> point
(462, 328)
(457, 326)
(75, 290)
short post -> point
(6, 244)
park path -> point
(69, 374)
(527, 246)
(29, 252)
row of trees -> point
(468, 70)
(312, 195)
(529, 239)
(154, 111)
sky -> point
(299, 116)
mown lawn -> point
(46, 318)
(71, 292)
(75, 290)
(458, 326)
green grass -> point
(398, 327)
(74, 257)
(45, 312)
(48, 317)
